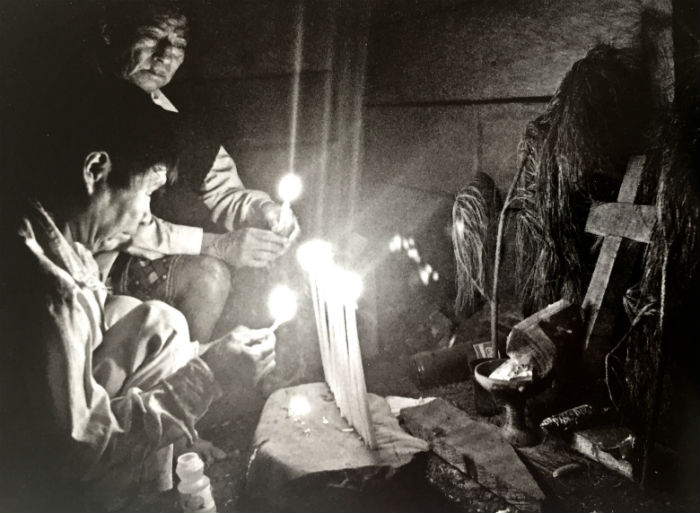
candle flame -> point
(315, 256)
(282, 304)
(289, 187)
(346, 285)
(352, 283)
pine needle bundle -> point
(474, 213)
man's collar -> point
(162, 101)
(72, 257)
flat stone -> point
(476, 449)
(461, 490)
(601, 443)
(296, 454)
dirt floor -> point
(232, 421)
(429, 485)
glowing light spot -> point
(282, 304)
(299, 406)
(347, 285)
(395, 243)
(352, 283)
(315, 255)
(413, 255)
(436, 276)
(404, 244)
(289, 187)
(424, 276)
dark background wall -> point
(398, 103)
(450, 87)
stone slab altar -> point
(304, 450)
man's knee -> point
(153, 342)
(203, 277)
(117, 306)
(176, 348)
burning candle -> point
(316, 258)
(338, 340)
(282, 304)
(335, 292)
(350, 288)
(289, 190)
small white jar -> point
(194, 487)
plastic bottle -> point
(194, 487)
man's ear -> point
(95, 169)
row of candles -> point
(334, 293)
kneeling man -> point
(96, 388)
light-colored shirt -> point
(93, 431)
(229, 202)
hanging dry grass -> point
(576, 151)
(532, 242)
(474, 212)
(671, 266)
(665, 301)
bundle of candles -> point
(334, 293)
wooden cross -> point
(614, 221)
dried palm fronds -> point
(533, 245)
(678, 246)
(577, 150)
(665, 301)
(475, 210)
(671, 274)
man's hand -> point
(288, 227)
(247, 247)
(244, 354)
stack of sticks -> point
(340, 348)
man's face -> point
(157, 52)
(121, 211)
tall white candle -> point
(334, 293)
(316, 258)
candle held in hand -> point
(289, 190)
(282, 304)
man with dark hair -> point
(96, 387)
(144, 46)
